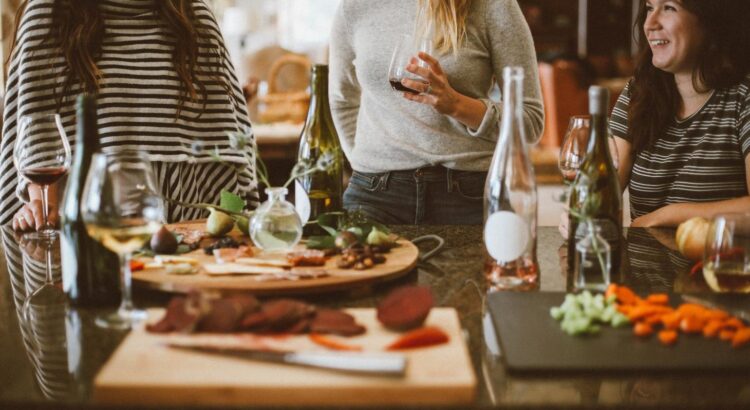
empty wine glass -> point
(42, 155)
(406, 48)
(726, 260)
(121, 209)
(574, 147)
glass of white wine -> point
(726, 260)
(121, 209)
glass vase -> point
(593, 260)
(276, 227)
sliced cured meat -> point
(335, 322)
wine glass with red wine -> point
(407, 48)
(42, 156)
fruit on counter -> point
(405, 308)
(378, 237)
(691, 237)
(243, 224)
(345, 239)
(164, 242)
(218, 223)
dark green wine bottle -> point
(90, 271)
(321, 191)
(599, 175)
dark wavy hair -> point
(78, 29)
(723, 61)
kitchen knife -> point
(373, 364)
(740, 313)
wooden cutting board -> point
(399, 261)
(144, 371)
(531, 340)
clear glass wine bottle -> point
(510, 199)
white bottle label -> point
(506, 236)
(301, 202)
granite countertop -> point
(62, 373)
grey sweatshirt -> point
(382, 131)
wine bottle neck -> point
(319, 92)
(87, 141)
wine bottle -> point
(320, 191)
(596, 189)
(510, 199)
(90, 271)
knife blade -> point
(740, 313)
(393, 365)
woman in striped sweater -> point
(164, 83)
(682, 125)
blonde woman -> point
(423, 158)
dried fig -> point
(164, 242)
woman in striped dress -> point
(164, 83)
(682, 125)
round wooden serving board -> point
(399, 261)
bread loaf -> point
(691, 237)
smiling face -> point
(674, 34)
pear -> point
(218, 223)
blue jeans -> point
(430, 195)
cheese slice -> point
(220, 269)
(263, 262)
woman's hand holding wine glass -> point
(42, 156)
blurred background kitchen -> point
(272, 44)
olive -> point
(164, 242)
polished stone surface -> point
(50, 354)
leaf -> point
(321, 242)
(232, 202)
(329, 222)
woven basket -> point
(289, 106)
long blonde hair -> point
(445, 20)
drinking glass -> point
(42, 156)
(47, 293)
(573, 150)
(407, 47)
(574, 145)
(726, 260)
(121, 209)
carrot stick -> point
(727, 334)
(658, 299)
(642, 329)
(136, 265)
(692, 324)
(671, 320)
(422, 337)
(668, 337)
(741, 338)
(329, 343)
(712, 328)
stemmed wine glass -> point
(121, 209)
(726, 260)
(42, 155)
(574, 145)
(573, 150)
(406, 48)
